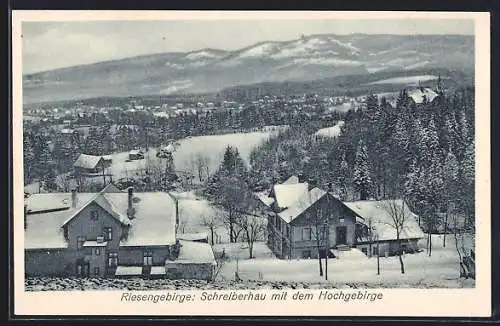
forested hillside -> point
(424, 153)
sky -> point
(51, 45)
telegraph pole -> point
(378, 257)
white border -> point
(396, 302)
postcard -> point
(251, 163)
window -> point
(306, 234)
(112, 259)
(108, 234)
(96, 271)
(375, 251)
(97, 251)
(94, 215)
(341, 220)
(148, 258)
(79, 242)
(306, 254)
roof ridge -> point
(112, 207)
(80, 209)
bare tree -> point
(254, 227)
(202, 166)
(211, 222)
(183, 219)
(318, 221)
(464, 237)
(63, 181)
(399, 218)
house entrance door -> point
(341, 235)
(83, 269)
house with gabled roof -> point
(305, 221)
(105, 234)
(88, 164)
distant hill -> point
(211, 70)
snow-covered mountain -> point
(208, 70)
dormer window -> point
(94, 215)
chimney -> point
(130, 208)
(73, 198)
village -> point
(138, 194)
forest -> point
(423, 153)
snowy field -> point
(186, 151)
(330, 131)
(439, 270)
(409, 80)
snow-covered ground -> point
(330, 131)
(186, 152)
(267, 272)
(192, 214)
(439, 270)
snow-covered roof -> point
(101, 200)
(44, 229)
(263, 196)
(287, 194)
(153, 222)
(418, 95)
(193, 236)
(136, 151)
(107, 157)
(168, 148)
(128, 270)
(95, 244)
(292, 180)
(67, 131)
(192, 252)
(111, 188)
(87, 161)
(158, 270)
(154, 219)
(381, 219)
(305, 201)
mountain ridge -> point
(210, 70)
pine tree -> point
(361, 177)
(228, 188)
(450, 176)
(343, 179)
(467, 182)
(93, 143)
